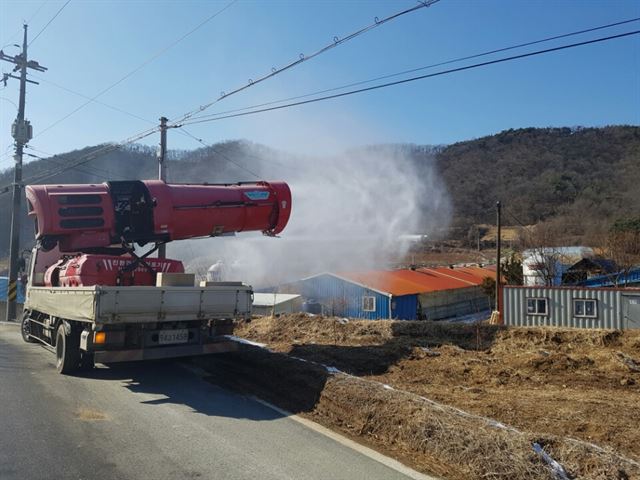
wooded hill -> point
(585, 178)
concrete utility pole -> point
(22, 132)
(498, 266)
(162, 173)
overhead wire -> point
(83, 159)
(139, 67)
(49, 22)
(85, 170)
(433, 65)
(413, 79)
(100, 102)
(146, 133)
(28, 22)
(304, 58)
(214, 150)
(91, 170)
(337, 41)
(510, 213)
(94, 100)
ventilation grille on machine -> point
(79, 211)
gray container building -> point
(573, 307)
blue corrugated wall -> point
(404, 307)
(343, 298)
(631, 279)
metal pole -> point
(498, 265)
(20, 133)
(162, 173)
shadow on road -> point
(293, 381)
(171, 382)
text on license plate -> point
(173, 336)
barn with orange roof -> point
(408, 294)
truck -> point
(95, 290)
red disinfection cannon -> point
(93, 216)
(95, 227)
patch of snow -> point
(245, 341)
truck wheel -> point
(26, 329)
(67, 351)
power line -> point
(421, 77)
(423, 4)
(49, 22)
(213, 149)
(85, 171)
(28, 22)
(105, 149)
(515, 218)
(99, 102)
(447, 62)
(140, 67)
(302, 58)
(89, 170)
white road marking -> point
(367, 452)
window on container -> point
(585, 308)
(537, 306)
(368, 304)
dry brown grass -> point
(568, 389)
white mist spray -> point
(348, 214)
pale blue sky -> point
(91, 44)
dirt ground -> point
(553, 383)
(429, 393)
(565, 382)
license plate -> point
(173, 336)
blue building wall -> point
(404, 307)
(630, 280)
(4, 284)
(342, 298)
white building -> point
(546, 265)
(276, 303)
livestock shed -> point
(425, 293)
(588, 268)
(617, 279)
(276, 303)
(576, 307)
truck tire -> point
(67, 350)
(25, 329)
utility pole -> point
(162, 172)
(498, 266)
(22, 132)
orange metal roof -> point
(473, 275)
(408, 282)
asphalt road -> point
(151, 421)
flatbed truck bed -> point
(115, 324)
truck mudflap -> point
(173, 351)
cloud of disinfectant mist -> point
(348, 212)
